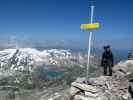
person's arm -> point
(112, 59)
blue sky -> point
(56, 22)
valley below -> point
(29, 74)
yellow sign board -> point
(90, 26)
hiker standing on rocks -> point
(107, 60)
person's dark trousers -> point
(110, 70)
(107, 68)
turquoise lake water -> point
(50, 73)
(53, 74)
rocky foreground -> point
(116, 87)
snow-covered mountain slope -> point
(28, 58)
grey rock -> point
(125, 67)
(85, 87)
(74, 91)
(114, 87)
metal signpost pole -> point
(89, 44)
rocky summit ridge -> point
(116, 87)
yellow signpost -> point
(90, 26)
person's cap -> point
(108, 46)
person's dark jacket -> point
(107, 59)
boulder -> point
(85, 87)
(98, 80)
(125, 67)
(130, 56)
